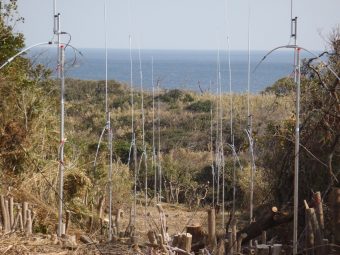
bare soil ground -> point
(178, 217)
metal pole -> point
(60, 63)
(62, 140)
(153, 132)
(159, 145)
(108, 126)
(251, 202)
(297, 134)
(297, 151)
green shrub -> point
(200, 106)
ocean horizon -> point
(195, 70)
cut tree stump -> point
(316, 230)
(5, 215)
(262, 249)
(309, 235)
(211, 229)
(198, 237)
(11, 211)
(276, 249)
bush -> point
(200, 106)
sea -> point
(196, 70)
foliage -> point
(200, 106)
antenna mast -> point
(108, 126)
(60, 75)
(297, 78)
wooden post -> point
(324, 248)
(233, 224)
(262, 249)
(212, 228)
(11, 211)
(220, 247)
(335, 203)
(309, 235)
(264, 237)
(28, 222)
(5, 216)
(316, 229)
(24, 213)
(152, 237)
(184, 242)
(118, 220)
(230, 242)
(68, 220)
(239, 242)
(276, 249)
(319, 211)
(163, 223)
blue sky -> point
(182, 24)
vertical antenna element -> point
(297, 130)
(144, 155)
(62, 140)
(294, 28)
(108, 126)
(159, 143)
(153, 132)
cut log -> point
(269, 219)
(85, 239)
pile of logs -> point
(15, 216)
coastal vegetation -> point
(29, 145)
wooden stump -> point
(24, 213)
(276, 249)
(5, 215)
(212, 229)
(309, 235)
(264, 237)
(198, 237)
(230, 250)
(239, 242)
(11, 211)
(262, 249)
(319, 211)
(316, 229)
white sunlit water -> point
(176, 69)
